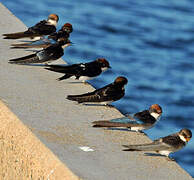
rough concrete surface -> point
(23, 156)
(38, 100)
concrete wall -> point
(48, 136)
(23, 156)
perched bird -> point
(44, 27)
(44, 42)
(104, 95)
(83, 71)
(51, 53)
(165, 145)
(64, 32)
(137, 122)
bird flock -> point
(44, 35)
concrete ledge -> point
(23, 156)
(38, 100)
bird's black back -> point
(111, 92)
(54, 51)
(174, 140)
(41, 28)
(145, 117)
(92, 69)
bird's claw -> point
(170, 159)
(109, 105)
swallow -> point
(64, 32)
(105, 95)
(45, 42)
(51, 53)
(137, 122)
(164, 145)
(82, 71)
(44, 27)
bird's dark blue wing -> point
(128, 119)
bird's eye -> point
(155, 110)
(184, 135)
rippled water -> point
(149, 42)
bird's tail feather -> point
(17, 35)
(83, 98)
(62, 69)
(109, 124)
(57, 68)
(25, 46)
(66, 76)
(26, 59)
(22, 44)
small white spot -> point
(165, 153)
(104, 69)
(84, 78)
(51, 172)
(86, 148)
(82, 65)
(105, 102)
(41, 55)
(137, 128)
(36, 38)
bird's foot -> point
(142, 133)
(170, 159)
(85, 83)
(58, 79)
(139, 132)
(109, 105)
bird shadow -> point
(120, 129)
(75, 82)
(79, 82)
(154, 154)
(101, 105)
(38, 65)
(27, 41)
(15, 47)
(31, 50)
(128, 130)
(159, 155)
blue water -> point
(149, 42)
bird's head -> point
(104, 64)
(53, 19)
(67, 27)
(185, 135)
(121, 80)
(155, 110)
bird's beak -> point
(109, 67)
(187, 139)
